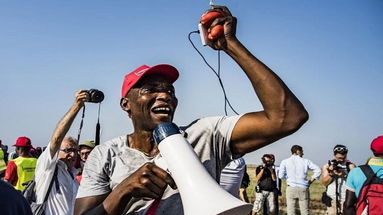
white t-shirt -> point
(231, 176)
(60, 201)
(110, 163)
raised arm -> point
(65, 123)
(283, 113)
(326, 178)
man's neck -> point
(144, 142)
(25, 155)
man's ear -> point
(124, 103)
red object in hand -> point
(207, 19)
(215, 32)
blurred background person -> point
(294, 169)
(21, 169)
(3, 161)
(334, 175)
(364, 185)
(244, 184)
(84, 150)
(59, 159)
(231, 176)
(264, 191)
(278, 189)
(12, 202)
(36, 152)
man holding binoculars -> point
(56, 164)
(120, 176)
(334, 177)
(267, 183)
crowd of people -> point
(342, 179)
(120, 176)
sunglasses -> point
(341, 150)
(69, 150)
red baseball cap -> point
(23, 142)
(377, 146)
(168, 71)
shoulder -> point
(208, 125)
(13, 201)
(11, 166)
(112, 147)
(355, 173)
(11, 163)
(102, 155)
(307, 160)
(211, 121)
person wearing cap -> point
(356, 178)
(85, 148)
(120, 176)
(334, 175)
(21, 169)
(277, 191)
(60, 155)
(266, 184)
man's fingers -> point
(82, 95)
(223, 9)
(151, 186)
(165, 176)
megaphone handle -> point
(153, 208)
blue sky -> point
(330, 54)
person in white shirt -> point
(61, 152)
(295, 169)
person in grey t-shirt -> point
(121, 177)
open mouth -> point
(162, 110)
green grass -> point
(316, 190)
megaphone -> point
(200, 193)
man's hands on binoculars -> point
(81, 97)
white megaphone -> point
(200, 193)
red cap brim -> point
(168, 71)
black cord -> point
(227, 102)
(97, 137)
(81, 124)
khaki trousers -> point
(299, 194)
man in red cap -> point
(21, 169)
(358, 184)
(120, 176)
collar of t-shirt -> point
(377, 161)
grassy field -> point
(316, 190)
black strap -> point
(370, 175)
(97, 138)
(51, 184)
(81, 124)
(368, 172)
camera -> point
(339, 166)
(95, 96)
(267, 163)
